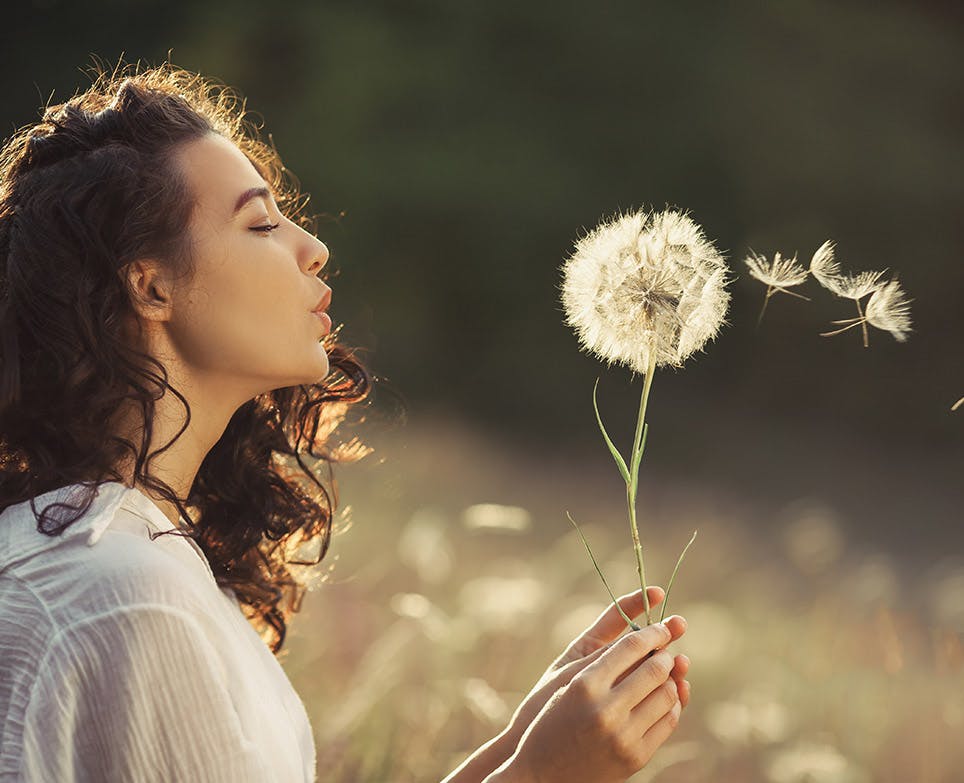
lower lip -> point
(325, 319)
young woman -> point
(169, 386)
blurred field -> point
(815, 659)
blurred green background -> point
(468, 145)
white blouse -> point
(122, 660)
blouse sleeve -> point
(140, 695)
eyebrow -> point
(249, 194)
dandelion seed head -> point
(855, 286)
(889, 308)
(644, 285)
(779, 273)
(822, 265)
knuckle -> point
(581, 687)
(661, 664)
(627, 752)
(673, 716)
(638, 643)
(604, 720)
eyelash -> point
(266, 229)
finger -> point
(651, 709)
(644, 678)
(681, 666)
(564, 674)
(610, 624)
(684, 692)
(628, 652)
(660, 731)
(676, 626)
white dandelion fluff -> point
(777, 275)
(826, 269)
(855, 286)
(645, 290)
(822, 264)
(889, 309)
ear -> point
(149, 288)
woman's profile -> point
(170, 393)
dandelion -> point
(888, 309)
(644, 290)
(778, 275)
(827, 271)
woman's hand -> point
(607, 722)
(489, 761)
(587, 647)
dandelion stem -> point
(585, 543)
(831, 334)
(863, 323)
(794, 293)
(764, 308)
(669, 587)
(631, 487)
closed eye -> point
(266, 229)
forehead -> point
(218, 172)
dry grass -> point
(811, 661)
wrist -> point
(488, 759)
(512, 771)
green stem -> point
(638, 445)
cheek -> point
(252, 326)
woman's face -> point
(244, 324)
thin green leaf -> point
(585, 543)
(669, 587)
(620, 462)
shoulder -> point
(62, 580)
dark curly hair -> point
(83, 193)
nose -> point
(320, 258)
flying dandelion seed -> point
(645, 290)
(848, 286)
(887, 309)
(823, 266)
(957, 404)
(778, 275)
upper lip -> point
(323, 303)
